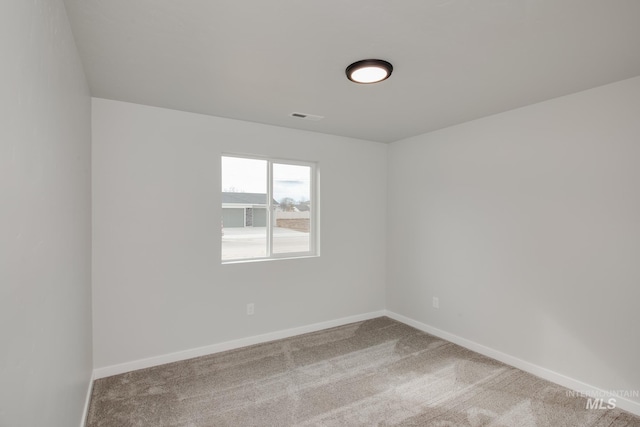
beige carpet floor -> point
(374, 373)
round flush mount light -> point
(369, 71)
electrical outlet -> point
(436, 302)
(251, 308)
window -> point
(269, 208)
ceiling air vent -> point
(305, 116)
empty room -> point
(336, 213)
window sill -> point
(252, 260)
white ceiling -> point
(258, 60)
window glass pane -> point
(244, 208)
(292, 208)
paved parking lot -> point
(251, 242)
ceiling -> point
(258, 60)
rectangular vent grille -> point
(305, 116)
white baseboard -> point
(87, 401)
(229, 345)
(563, 380)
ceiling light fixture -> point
(369, 71)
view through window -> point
(268, 208)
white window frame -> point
(314, 220)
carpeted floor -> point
(379, 372)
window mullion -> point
(313, 219)
(270, 208)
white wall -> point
(526, 225)
(45, 229)
(158, 283)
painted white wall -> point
(526, 225)
(158, 283)
(45, 219)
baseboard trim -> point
(228, 345)
(539, 371)
(87, 401)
